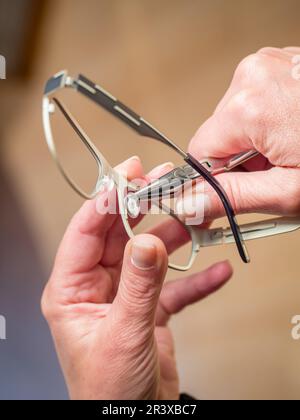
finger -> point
(281, 53)
(240, 123)
(83, 244)
(275, 191)
(178, 294)
(259, 163)
(117, 233)
(245, 118)
(233, 89)
(248, 69)
(172, 233)
(292, 50)
(143, 273)
(242, 78)
(224, 133)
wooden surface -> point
(171, 61)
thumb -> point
(143, 273)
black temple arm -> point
(195, 164)
(99, 95)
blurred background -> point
(171, 61)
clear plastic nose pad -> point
(51, 108)
(133, 205)
(105, 184)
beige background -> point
(171, 60)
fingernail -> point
(143, 254)
(165, 166)
(132, 158)
(122, 169)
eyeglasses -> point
(130, 195)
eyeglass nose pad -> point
(132, 204)
(51, 108)
(105, 184)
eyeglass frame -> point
(200, 237)
(111, 104)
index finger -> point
(83, 243)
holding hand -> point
(108, 309)
(261, 111)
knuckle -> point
(254, 68)
(240, 102)
(248, 106)
(268, 50)
(290, 202)
(246, 65)
(194, 144)
(47, 307)
(198, 143)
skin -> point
(259, 111)
(108, 308)
(106, 303)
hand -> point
(108, 311)
(261, 110)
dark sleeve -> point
(186, 397)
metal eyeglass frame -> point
(192, 169)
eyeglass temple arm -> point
(122, 112)
(250, 231)
(111, 104)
